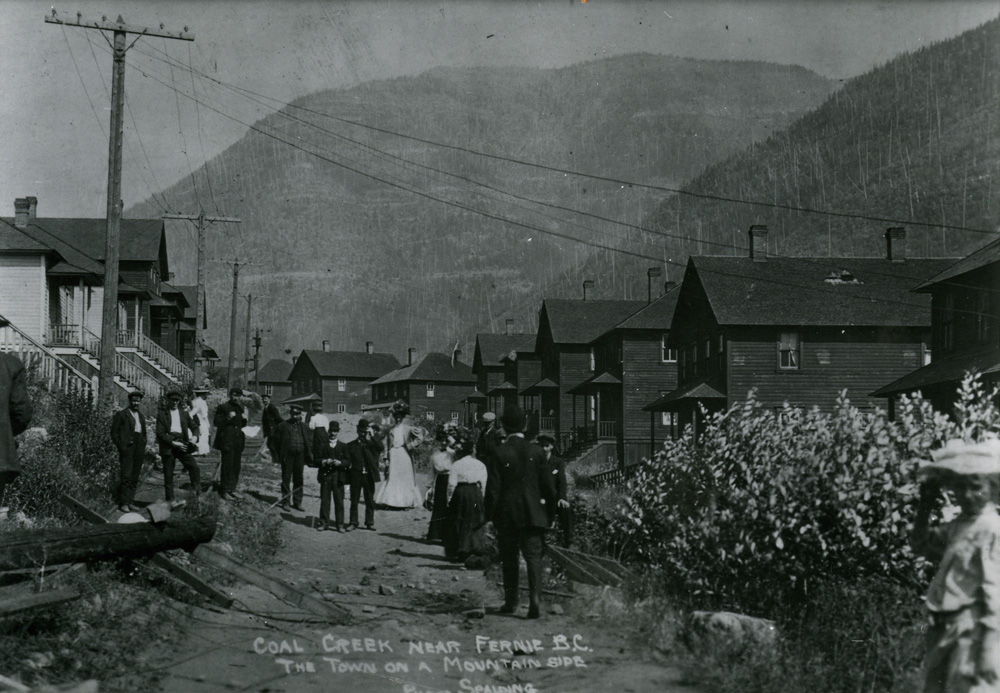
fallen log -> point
(284, 592)
(34, 548)
(161, 562)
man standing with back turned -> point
(521, 505)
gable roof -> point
(433, 366)
(275, 371)
(11, 238)
(657, 315)
(492, 348)
(74, 260)
(349, 364)
(986, 255)
(573, 321)
(815, 291)
(191, 311)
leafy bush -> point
(768, 503)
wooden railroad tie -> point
(587, 568)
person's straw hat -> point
(960, 457)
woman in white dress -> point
(199, 408)
(400, 490)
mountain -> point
(367, 236)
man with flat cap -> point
(128, 432)
(522, 498)
(363, 454)
(293, 441)
(333, 475)
(557, 466)
(229, 420)
(175, 436)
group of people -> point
(182, 431)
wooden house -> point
(491, 372)
(796, 330)
(566, 329)
(633, 366)
(342, 378)
(273, 380)
(965, 330)
(435, 386)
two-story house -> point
(273, 380)
(566, 329)
(435, 386)
(488, 367)
(343, 379)
(965, 330)
(796, 330)
(633, 366)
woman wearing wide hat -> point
(400, 490)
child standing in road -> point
(963, 643)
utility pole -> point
(246, 344)
(201, 222)
(109, 317)
(256, 362)
(232, 318)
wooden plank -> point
(32, 601)
(284, 592)
(158, 560)
(583, 565)
(603, 561)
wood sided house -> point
(343, 379)
(965, 330)
(273, 380)
(796, 330)
(492, 374)
(434, 385)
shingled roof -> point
(349, 364)
(816, 291)
(579, 322)
(492, 348)
(986, 255)
(655, 316)
(275, 371)
(433, 366)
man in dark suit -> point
(128, 432)
(269, 420)
(294, 442)
(557, 465)
(229, 420)
(523, 494)
(363, 453)
(333, 474)
(486, 449)
(15, 415)
(174, 434)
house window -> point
(268, 389)
(925, 350)
(788, 351)
(721, 353)
(948, 321)
(341, 384)
(682, 367)
(669, 419)
(667, 355)
(591, 408)
(692, 360)
(341, 408)
(593, 360)
(706, 355)
(430, 389)
(454, 417)
(429, 416)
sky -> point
(56, 80)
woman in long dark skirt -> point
(441, 460)
(466, 489)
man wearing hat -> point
(269, 420)
(557, 465)
(363, 454)
(293, 441)
(229, 420)
(523, 495)
(174, 434)
(486, 448)
(333, 474)
(128, 432)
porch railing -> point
(136, 377)
(64, 335)
(547, 423)
(169, 362)
(45, 363)
(607, 429)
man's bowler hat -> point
(136, 394)
(545, 439)
(513, 419)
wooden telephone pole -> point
(201, 222)
(232, 318)
(246, 344)
(109, 322)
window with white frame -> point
(430, 389)
(341, 408)
(454, 416)
(341, 384)
(268, 389)
(667, 355)
(591, 408)
(429, 416)
(593, 359)
(789, 351)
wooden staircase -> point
(44, 363)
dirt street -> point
(415, 624)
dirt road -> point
(417, 625)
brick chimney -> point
(294, 359)
(369, 347)
(509, 326)
(651, 273)
(22, 212)
(587, 284)
(758, 243)
(326, 345)
(457, 355)
(669, 286)
(895, 244)
(410, 356)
